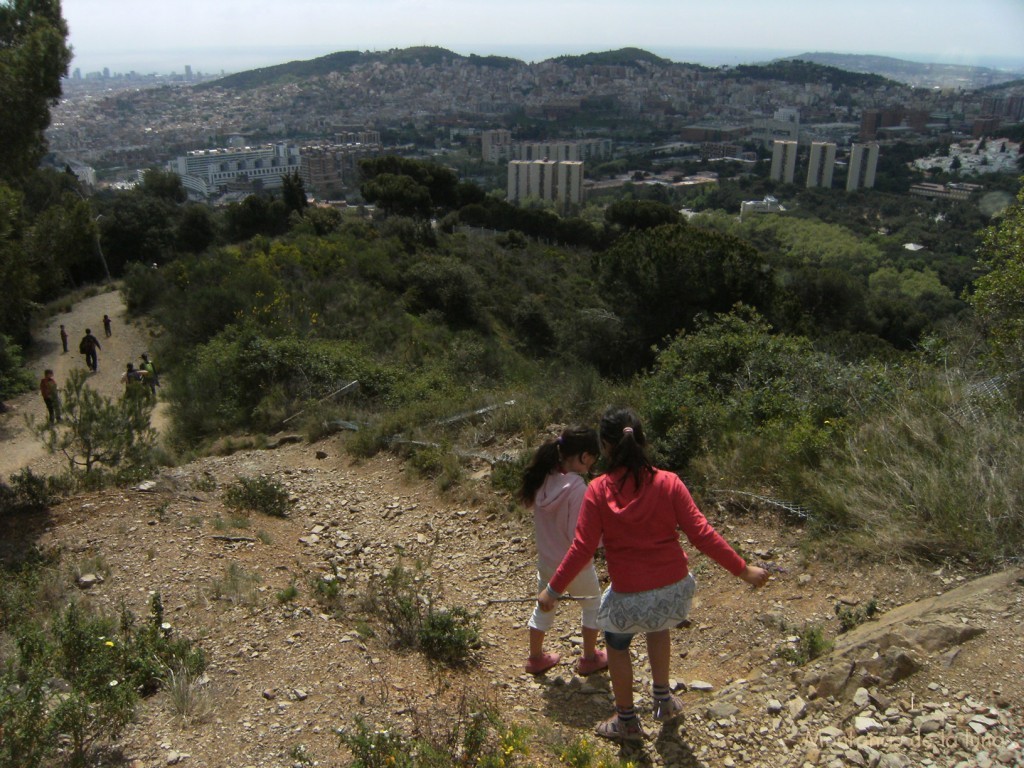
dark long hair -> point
(572, 442)
(627, 446)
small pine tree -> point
(99, 433)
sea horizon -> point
(225, 60)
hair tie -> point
(627, 431)
(558, 440)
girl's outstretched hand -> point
(754, 576)
(546, 600)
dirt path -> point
(126, 342)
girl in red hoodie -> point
(638, 511)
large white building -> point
(208, 172)
(821, 164)
(784, 161)
(560, 181)
(496, 145)
(863, 162)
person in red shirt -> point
(638, 510)
(48, 389)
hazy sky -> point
(214, 35)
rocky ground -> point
(935, 679)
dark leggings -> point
(618, 640)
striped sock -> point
(626, 714)
(661, 692)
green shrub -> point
(811, 643)
(469, 735)
(376, 749)
(237, 586)
(287, 594)
(27, 493)
(259, 494)
(450, 636)
(395, 597)
(77, 675)
(853, 617)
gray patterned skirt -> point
(650, 611)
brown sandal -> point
(613, 728)
(668, 710)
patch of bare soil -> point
(283, 675)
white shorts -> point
(586, 583)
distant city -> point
(226, 60)
(561, 130)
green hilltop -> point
(343, 60)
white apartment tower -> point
(784, 161)
(863, 162)
(558, 181)
(822, 163)
(206, 172)
(495, 145)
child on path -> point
(64, 339)
(554, 486)
(638, 511)
(106, 326)
(149, 373)
(48, 389)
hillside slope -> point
(285, 674)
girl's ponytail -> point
(573, 441)
(622, 431)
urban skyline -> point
(146, 36)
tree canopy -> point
(34, 56)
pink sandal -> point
(594, 664)
(538, 665)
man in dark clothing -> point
(64, 339)
(88, 346)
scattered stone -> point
(700, 685)
(721, 710)
(89, 580)
(797, 708)
(861, 697)
(866, 725)
(774, 706)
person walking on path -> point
(64, 339)
(149, 374)
(553, 485)
(88, 346)
(637, 510)
(51, 396)
(106, 326)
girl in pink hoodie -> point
(553, 485)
